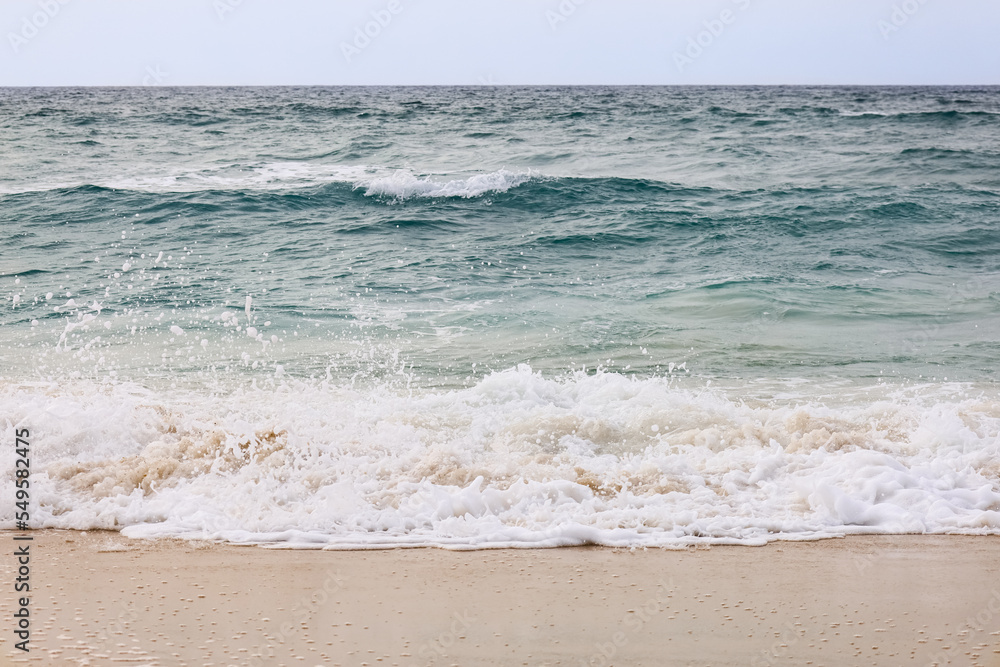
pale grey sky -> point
(339, 42)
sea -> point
(483, 317)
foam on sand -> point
(516, 460)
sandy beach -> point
(100, 599)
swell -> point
(573, 210)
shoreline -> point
(100, 598)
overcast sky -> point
(337, 42)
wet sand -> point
(100, 599)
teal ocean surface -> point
(481, 317)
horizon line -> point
(514, 85)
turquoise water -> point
(481, 266)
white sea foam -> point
(373, 180)
(518, 459)
(402, 183)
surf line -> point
(22, 551)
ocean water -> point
(485, 317)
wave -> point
(404, 184)
(301, 178)
(516, 460)
(373, 181)
(949, 116)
